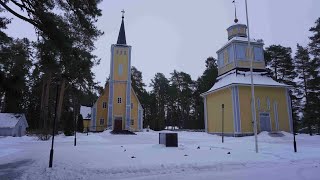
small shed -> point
(85, 112)
(12, 124)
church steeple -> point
(122, 33)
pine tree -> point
(314, 82)
(303, 69)
(280, 64)
(159, 93)
(203, 84)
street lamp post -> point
(253, 104)
(222, 123)
(293, 128)
(54, 128)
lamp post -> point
(253, 104)
(54, 127)
(293, 128)
(75, 120)
(222, 123)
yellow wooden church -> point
(118, 107)
(273, 104)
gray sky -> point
(180, 34)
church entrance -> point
(117, 124)
(265, 123)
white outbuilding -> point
(12, 124)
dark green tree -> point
(303, 69)
(160, 85)
(68, 28)
(203, 84)
(314, 82)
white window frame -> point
(258, 104)
(268, 104)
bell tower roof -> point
(122, 33)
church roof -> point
(9, 120)
(244, 78)
(122, 34)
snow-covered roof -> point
(85, 112)
(244, 78)
(9, 120)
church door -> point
(117, 124)
(265, 124)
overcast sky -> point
(180, 34)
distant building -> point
(13, 124)
(118, 107)
(273, 104)
(86, 115)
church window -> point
(258, 53)
(220, 59)
(131, 105)
(104, 105)
(241, 52)
(230, 54)
(120, 70)
(132, 122)
(258, 104)
(101, 121)
(119, 100)
(268, 104)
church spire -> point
(235, 11)
(122, 33)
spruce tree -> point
(314, 82)
(303, 69)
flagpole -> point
(253, 104)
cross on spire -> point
(235, 11)
(123, 13)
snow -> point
(9, 120)
(244, 78)
(106, 156)
(85, 112)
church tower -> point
(118, 107)
(119, 104)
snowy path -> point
(106, 156)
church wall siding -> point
(134, 111)
(119, 109)
(102, 112)
(214, 113)
(264, 94)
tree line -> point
(60, 63)
(301, 72)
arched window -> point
(268, 104)
(258, 104)
(276, 116)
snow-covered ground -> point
(106, 156)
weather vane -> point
(123, 13)
(235, 11)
